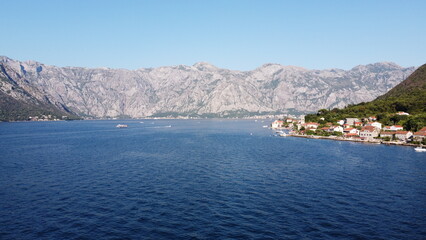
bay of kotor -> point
(202, 179)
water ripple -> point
(203, 180)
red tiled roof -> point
(368, 128)
(420, 133)
(401, 132)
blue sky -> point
(234, 34)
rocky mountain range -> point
(198, 90)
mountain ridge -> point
(204, 89)
(4, 58)
(18, 101)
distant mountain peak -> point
(378, 66)
(5, 59)
(204, 66)
(274, 67)
(271, 65)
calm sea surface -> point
(207, 179)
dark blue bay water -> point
(206, 179)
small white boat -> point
(420, 149)
(265, 126)
(121, 126)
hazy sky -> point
(234, 34)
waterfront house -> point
(396, 128)
(377, 125)
(326, 129)
(403, 135)
(311, 129)
(387, 134)
(420, 135)
(311, 125)
(351, 135)
(393, 128)
(368, 132)
(351, 121)
(357, 124)
(372, 118)
(351, 131)
(337, 129)
(277, 124)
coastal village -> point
(48, 117)
(350, 129)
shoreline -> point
(144, 118)
(353, 140)
(138, 119)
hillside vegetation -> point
(408, 96)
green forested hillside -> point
(408, 96)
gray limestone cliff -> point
(202, 89)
